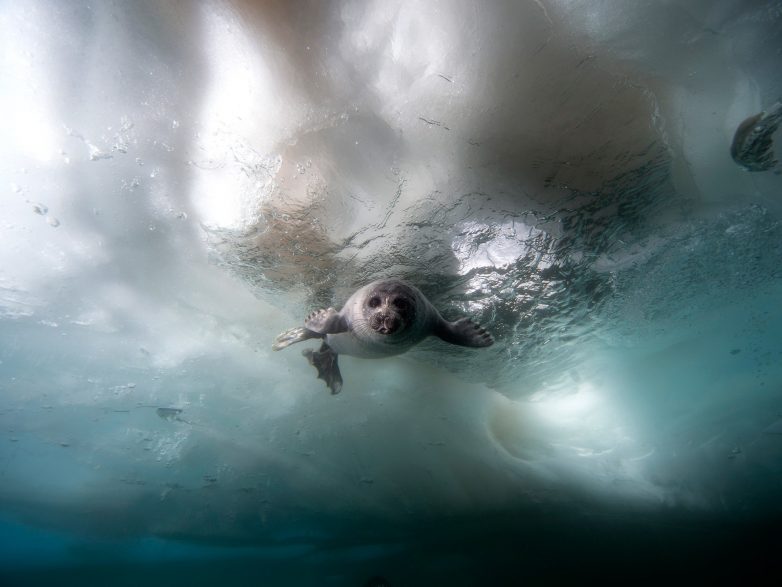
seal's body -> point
(752, 147)
(382, 319)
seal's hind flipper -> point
(326, 322)
(464, 332)
(325, 361)
(292, 336)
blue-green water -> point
(182, 183)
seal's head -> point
(389, 308)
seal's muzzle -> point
(384, 323)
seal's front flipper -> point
(325, 361)
(326, 322)
(292, 336)
(463, 332)
(752, 147)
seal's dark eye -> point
(374, 302)
(401, 303)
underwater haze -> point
(594, 182)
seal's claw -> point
(291, 336)
(327, 321)
(464, 332)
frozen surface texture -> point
(180, 182)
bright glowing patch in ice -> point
(26, 123)
(570, 408)
(583, 421)
(480, 245)
(240, 85)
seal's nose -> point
(391, 324)
(385, 323)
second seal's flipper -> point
(752, 147)
(464, 332)
(292, 336)
(326, 322)
(325, 361)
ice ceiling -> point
(181, 182)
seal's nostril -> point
(378, 322)
(391, 323)
(384, 323)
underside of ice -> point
(181, 183)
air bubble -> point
(96, 154)
(131, 185)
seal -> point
(382, 319)
(752, 146)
